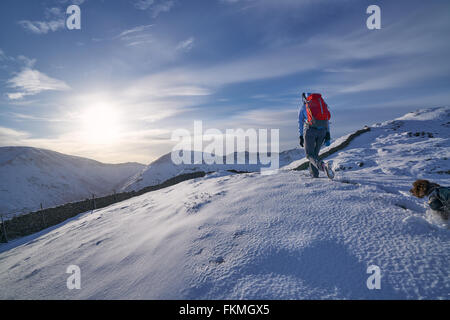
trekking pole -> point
(304, 97)
(4, 228)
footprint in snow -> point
(33, 273)
(417, 225)
(197, 201)
(217, 260)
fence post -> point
(43, 216)
(93, 203)
(4, 228)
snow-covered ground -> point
(31, 176)
(252, 236)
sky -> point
(137, 70)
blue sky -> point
(115, 90)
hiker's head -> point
(422, 188)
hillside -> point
(163, 168)
(31, 176)
(252, 236)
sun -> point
(100, 123)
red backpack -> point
(317, 110)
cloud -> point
(3, 55)
(186, 45)
(134, 30)
(53, 12)
(77, 2)
(146, 43)
(269, 5)
(143, 4)
(7, 62)
(31, 82)
(42, 27)
(391, 57)
(12, 137)
(29, 63)
(136, 36)
(163, 85)
(164, 6)
(132, 145)
(156, 7)
(29, 117)
(55, 19)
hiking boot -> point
(326, 167)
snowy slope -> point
(252, 236)
(31, 176)
(163, 168)
(397, 152)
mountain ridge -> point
(31, 176)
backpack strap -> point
(308, 110)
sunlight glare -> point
(100, 124)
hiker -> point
(438, 197)
(314, 130)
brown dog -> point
(422, 188)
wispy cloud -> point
(31, 82)
(77, 2)
(186, 45)
(29, 63)
(30, 117)
(135, 142)
(54, 19)
(42, 27)
(143, 4)
(164, 6)
(12, 137)
(134, 30)
(136, 36)
(396, 55)
(3, 55)
(155, 6)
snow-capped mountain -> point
(164, 168)
(31, 176)
(253, 236)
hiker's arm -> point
(301, 120)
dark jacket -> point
(439, 200)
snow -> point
(253, 236)
(31, 176)
(164, 169)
